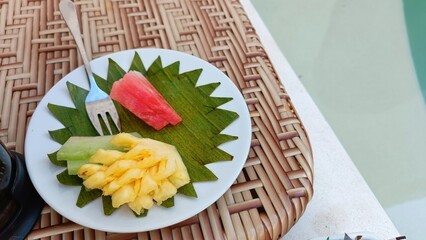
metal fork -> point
(98, 103)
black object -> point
(20, 204)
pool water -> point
(415, 20)
(354, 59)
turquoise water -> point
(359, 65)
(354, 59)
(415, 19)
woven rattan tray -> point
(275, 186)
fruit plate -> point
(63, 198)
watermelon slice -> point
(136, 94)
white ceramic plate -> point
(63, 198)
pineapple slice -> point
(164, 191)
(125, 140)
(124, 194)
(147, 185)
(97, 180)
(106, 157)
(165, 169)
(110, 188)
(141, 203)
(119, 167)
(180, 177)
(88, 170)
(138, 152)
(149, 171)
(130, 176)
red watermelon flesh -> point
(139, 96)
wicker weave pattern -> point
(36, 51)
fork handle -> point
(69, 13)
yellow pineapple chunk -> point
(106, 157)
(129, 176)
(125, 140)
(124, 194)
(148, 185)
(110, 188)
(180, 177)
(88, 170)
(119, 167)
(165, 169)
(164, 191)
(137, 186)
(140, 203)
(138, 152)
(97, 180)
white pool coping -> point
(342, 201)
